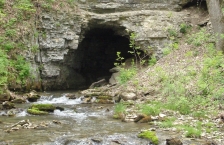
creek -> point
(79, 124)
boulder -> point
(33, 96)
(143, 119)
(8, 105)
(128, 96)
(113, 79)
(41, 109)
(18, 101)
(5, 97)
(173, 141)
(99, 83)
(71, 96)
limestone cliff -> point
(77, 48)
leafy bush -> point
(126, 74)
(2, 3)
(119, 110)
(152, 61)
(184, 28)
(199, 38)
(3, 71)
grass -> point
(191, 86)
(167, 123)
(119, 110)
(150, 109)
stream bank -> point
(79, 123)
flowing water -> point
(80, 124)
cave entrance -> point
(98, 53)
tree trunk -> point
(217, 20)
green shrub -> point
(152, 61)
(119, 110)
(126, 74)
(192, 132)
(25, 5)
(199, 38)
(22, 67)
(184, 28)
(2, 3)
(4, 63)
(172, 32)
(167, 123)
(150, 109)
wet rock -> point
(8, 105)
(71, 96)
(143, 119)
(60, 108)
(4, 97)
(87, 99)
(56, 122)
(173, 141)
(97, 140)
(33, 96)
(102, 101)
(128, 96)
(99, 83)
(18, 101)
(139, 117)
(41, 109)
(23, 124)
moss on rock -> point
(150, 135)
(44, 107)
(35, 111)
(41, 109)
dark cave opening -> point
(196, 3)
(98, 53)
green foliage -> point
(8, 46)
(181, 104)
(199, 38)
(169, 48)
(10, 32)
(126, 74)
(25, 5)
(3, 71)
(172, 32)
(150, 109)
(167, 123)
(23, 67)
(119, 60)
(150, 135)
(193, 132)
(152, 61)
(2, 3)
(119, 110)
(184, 28)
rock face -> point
(78, 49)
(110, 6)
